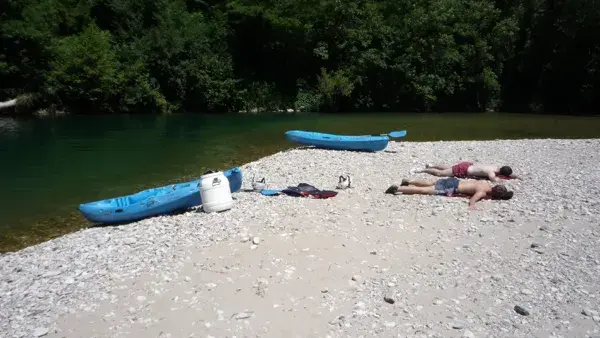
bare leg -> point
(421, 183)
(438, 166)
(429, 190)
(437, 172)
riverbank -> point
(328, 264)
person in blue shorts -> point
(451, 186)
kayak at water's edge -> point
(152, 202)
(338, 142)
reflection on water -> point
(8, 126)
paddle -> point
(270, 192)
(397, 134)
(394, 134)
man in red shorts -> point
(467, 169)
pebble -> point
(589, 312)
(389, 299)
(458, 325)
(40, 331)
(255, 240)
(129, 240)
(526, 292)
(51, 273)
(521, 310)
(242, 315)
(468, 334)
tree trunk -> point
(8, 104)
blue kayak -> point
(152, 202)
(339, 142)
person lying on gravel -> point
(467, 169)
(477, 190)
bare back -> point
(482, 170)
(472, 187)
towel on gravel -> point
(302, 190)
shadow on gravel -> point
(174, 213)
(354, 151)
(105, 225)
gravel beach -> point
(361, 264)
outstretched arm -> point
(492, 176)
(475, 198)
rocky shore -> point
(360, 264)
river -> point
(50, 165)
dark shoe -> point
(404, 182)
(392, 189)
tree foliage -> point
(112, 56)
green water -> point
(49, 166)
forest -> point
(163, 56)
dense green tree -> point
(85, 74)
(187, 55)
(555, 66)
(111, 56)
(28, 29)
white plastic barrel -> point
(215, 192)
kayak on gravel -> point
(152, 202)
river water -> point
(51, 165)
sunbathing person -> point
(466, 169)
(451, 187)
